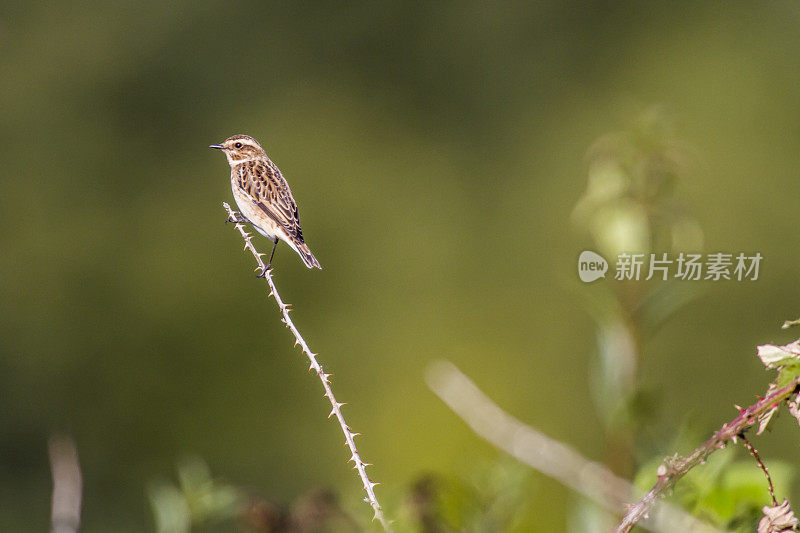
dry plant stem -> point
(549, 456)
(674, 469)
(761, 464)
(65, 514)
(336, 410)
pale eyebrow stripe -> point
(247, 142)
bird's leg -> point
(269, 264)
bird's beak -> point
(217, 146)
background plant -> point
(632, 206)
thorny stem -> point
(349, 435)
(757, 457)
(675, 468)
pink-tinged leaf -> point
(778, 519)
(776, 356)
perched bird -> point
(263, 196)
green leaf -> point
(788, 374)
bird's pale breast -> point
(263, 224)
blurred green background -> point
(437, 151)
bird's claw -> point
(263, 273)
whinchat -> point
(264, 197)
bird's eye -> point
(238, 145)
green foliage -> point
(630, 203)
(786, 359)
(196, 500)
(493, 497)
(728, 490)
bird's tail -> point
(305, 254)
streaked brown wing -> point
(263, 181)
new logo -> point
(591, 266)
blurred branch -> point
(65, 516)
(675, 468)
(349, 436)
(548, 456)
(789, 323)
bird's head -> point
(240, 148)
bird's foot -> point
(263, 273)
(237, 219)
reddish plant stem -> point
(757, 457)
(675, 468)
